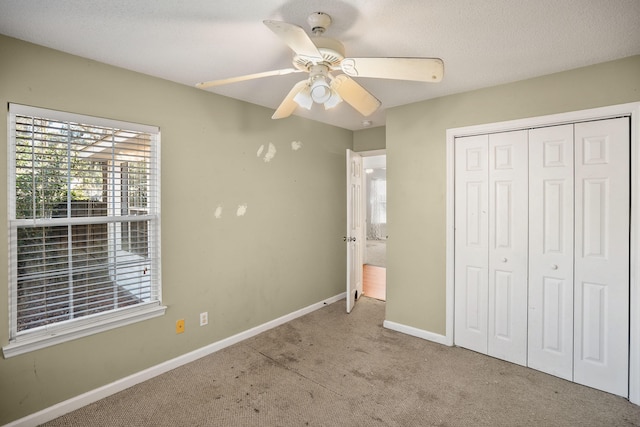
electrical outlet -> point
(180, 326)
(204, 318)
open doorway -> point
(375, 251)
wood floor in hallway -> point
(374, 282)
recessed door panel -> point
(475, 158)
(502, 214)
(594, 217)
(474, 288)
(601, 344)
(594, 312)
(553, 292)
(476, 198)
(504, 305)
(550, 330)
(554, 191)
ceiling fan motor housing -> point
(332, 54)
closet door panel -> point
(601, 348)
(508, 212)
(551, 183)
(471, 240)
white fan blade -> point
(296, 38)
(220, 82)
(355, 95)
(288, 105)
(417, 69)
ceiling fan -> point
(319, 56)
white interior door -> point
(355, 228)
(602, 192)
(550, 340)
(508, 213)
(471, 242)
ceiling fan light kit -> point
(303, 98)
(333, 100)
(319, 56)
(320, 90)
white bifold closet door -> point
(542, 249)
(601, 278)
(579, 253)
(508, 212)
(491, 244)
(551, 241)
(472, 242)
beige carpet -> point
(333, 369)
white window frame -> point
(30, 340)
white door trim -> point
(371, 153)
(630, 109)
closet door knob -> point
(504, 260)
(554, 267)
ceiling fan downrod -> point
(319, 22)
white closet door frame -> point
(633, 111)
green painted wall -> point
(284, 254)
(370, 139)
(416, 171)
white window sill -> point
(79, 328)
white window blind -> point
(83, 225)
(378, 201)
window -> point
(83, 226)
(379, 201)
(378, 209)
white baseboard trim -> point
(420, 333)
(89, 397)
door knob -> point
(504, 259)
(554, 267)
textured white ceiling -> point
(483, 43)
